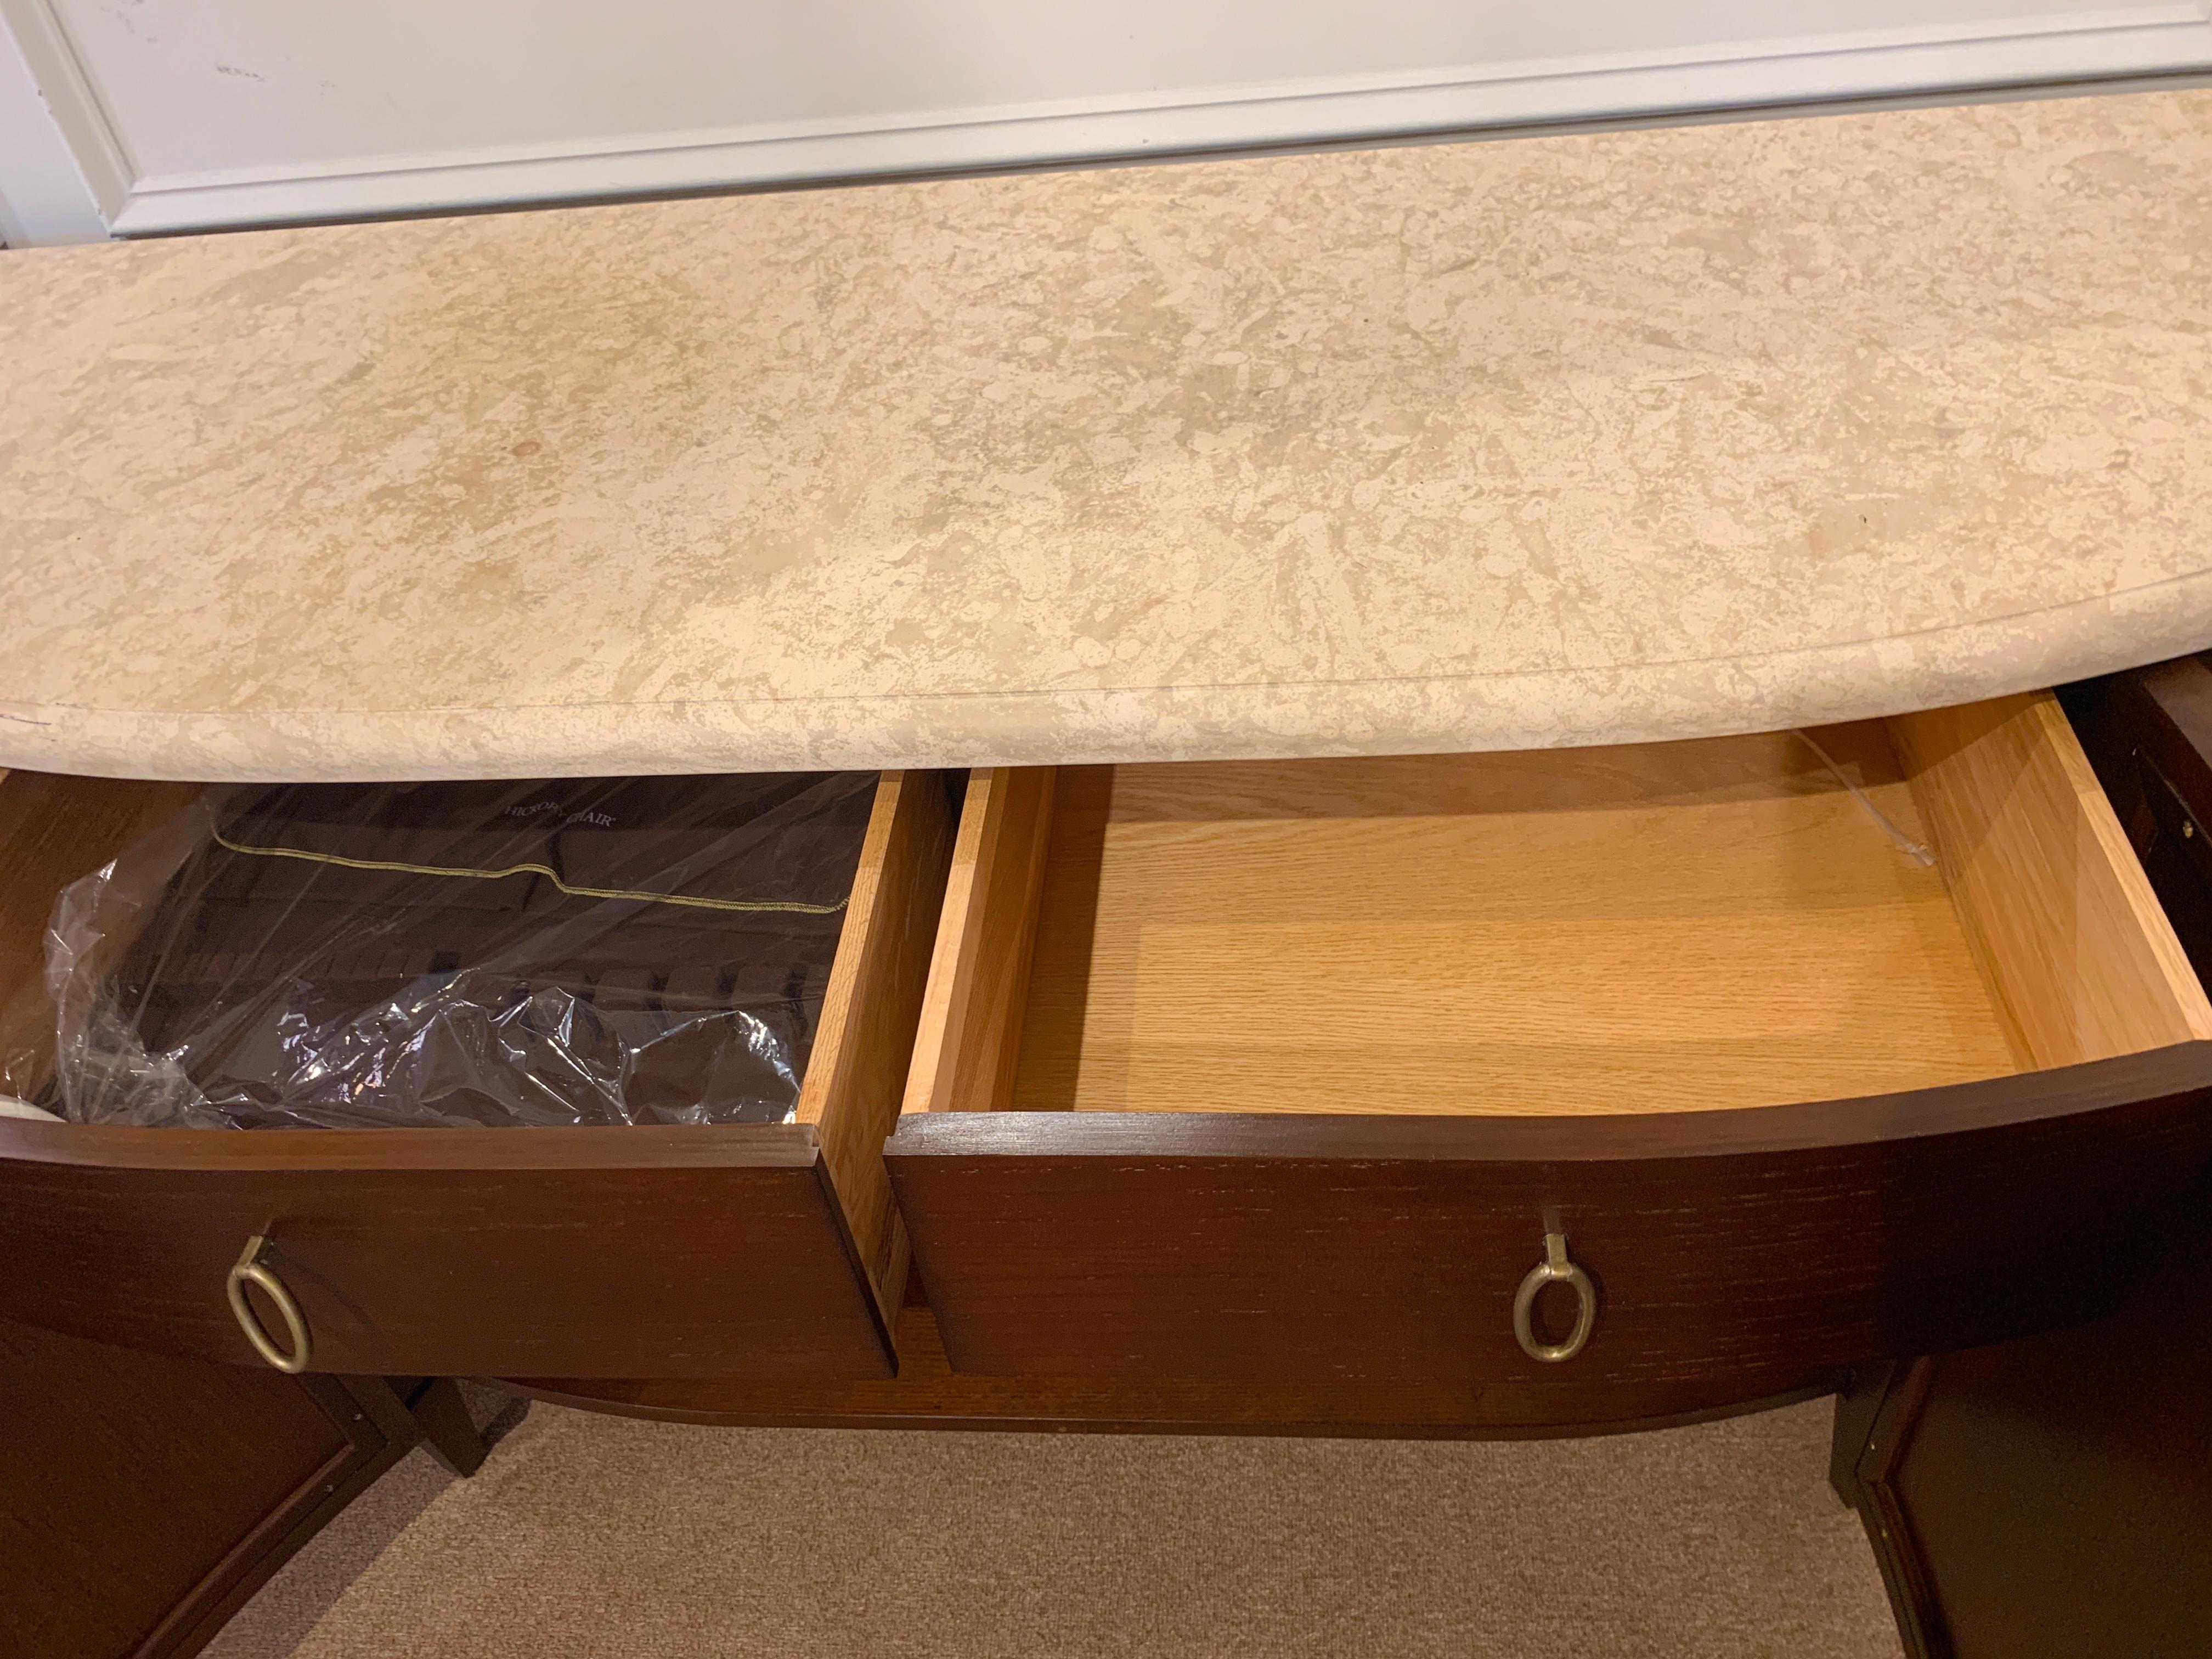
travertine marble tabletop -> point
(1564, 439)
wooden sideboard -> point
(1119, 1019)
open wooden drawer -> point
(767, 1250)
(1287, 1071)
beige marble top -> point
(1555, 441)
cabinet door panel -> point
(141, 1495)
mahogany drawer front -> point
(2005, 1049)
(726, 1250)
(677, 1251)
(1739, 1255)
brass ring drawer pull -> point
(1555, 1268)
(248, 1269)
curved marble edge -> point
(1641, 703)
(1568, 440)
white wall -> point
(198, 112)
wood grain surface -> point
(1652, 928)
(53, 830)
(1770, 1245)
(928, 1393)
(143, 1497)
(678, 1250)
(971, 1021)
(2083, 961)
(865, 1041)
(2051, 1498)
(690, 1250)
(1344, 1039)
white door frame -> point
(44, 197)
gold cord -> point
(790, 905)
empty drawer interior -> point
(1737, 921)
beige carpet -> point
(591, 1537)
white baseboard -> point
(2142, 41)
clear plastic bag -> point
(582, 951)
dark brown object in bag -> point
(608, 950)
